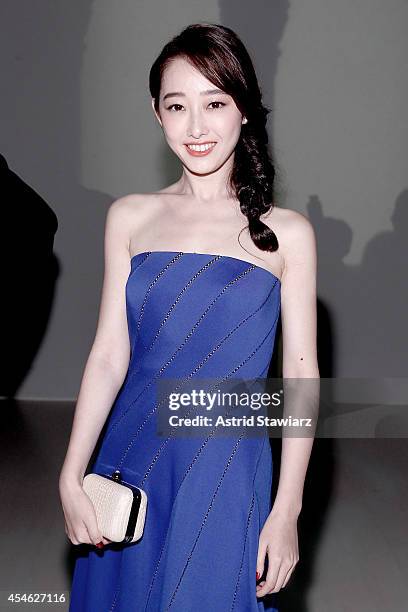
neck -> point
(207, 188)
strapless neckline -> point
(207, 255)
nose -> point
(197, 125)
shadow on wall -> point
(29, 272)
(41, 54)
(369, 323)
(372, 299)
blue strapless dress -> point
(189, 315)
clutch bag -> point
(120, 508)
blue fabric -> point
(189, 315)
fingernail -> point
(258, 575)
(99, 545)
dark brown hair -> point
(218, 53)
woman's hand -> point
(279, 539)
(80, 519)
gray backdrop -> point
(77, 125)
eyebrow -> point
(207, 92)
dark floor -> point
(352, 530)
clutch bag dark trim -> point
(135, 508)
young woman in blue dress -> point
(208, 104)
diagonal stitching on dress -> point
(189, 335)
(243, 551)
(197, 368)
(150, 287)
(192, 279)
(205, 520)
(172, 307)
(197, 456)
(249, 518)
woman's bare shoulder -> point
(137, 206)
(289, 225)
(135, 214)
(295, 234)
(134, 201)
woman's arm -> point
(299, 338)
(108, 360)
(299, 335)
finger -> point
(103, 542)
(260, 562)
(73, 539)
(288, 575)
(259, 586)
(81, 534)
(70, 534)
(271, 578)
(94, 532)
(280, 579)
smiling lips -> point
(198, 150)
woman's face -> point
(193, 112)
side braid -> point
(252, 178)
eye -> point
(171, 106)
(216, 102)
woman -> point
(196, 276)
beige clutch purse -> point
(120, 508)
